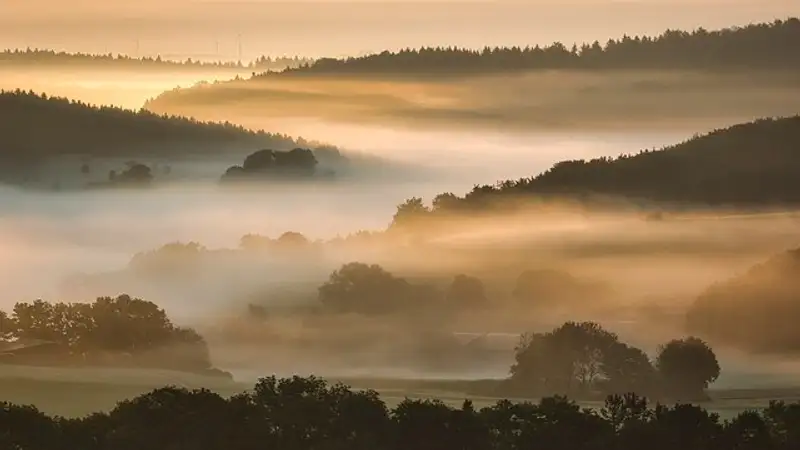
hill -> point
(756, 164)
(754, 311)
(16, 58)
(759, 46)
(676, 81)
(35, 129)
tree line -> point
(120, 331)
(308, 413)
(746, 165)
(75, 127)
(583, 360)
(764, 46)
(45, 57)
(80, 129)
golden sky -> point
(340, 27)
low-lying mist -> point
(539, 101)
(258, 304)
(109, 86)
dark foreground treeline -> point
(61, 59)
(760, 46)
(306, 413)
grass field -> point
(78, 392)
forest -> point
(766, 46)
(43, 58)
(79, 130)
(308, 413)
(752, 165)
(113, 130)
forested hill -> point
(760, 46)
(16, 58)
(752, 165)
(34, 127)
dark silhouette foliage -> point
(584, 360)
(76, 128)
(308, 413)
(755, 164)
(269, 164)
(755, 311)
(687, 367)
(366, 289)
(47, 58)
(754, 47)
(121, 331)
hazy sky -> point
(339, 27)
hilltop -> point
(17, 58)
(763, 46)
(37, 129)
(752, 165)
(678, 80)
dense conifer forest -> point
(766, 46)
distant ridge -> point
(758, 46)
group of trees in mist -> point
(372, 290)
(746, 165)
(583, 360)
(120, 331)
(307, 413)
(76, 128)
(766, 46)
(269, 164)
(62, 60)
(755, 311)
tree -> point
(567, 360)
(628, 369)
(409, 215)
(466, 292)
(686, 368)
(365, 289)
(292, 239)
(8, 326)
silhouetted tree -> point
(686, 368)
(365, 289)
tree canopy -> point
(76, 128)
(269, 164)
(584, 360)
(308, 413)
(764, 46)
(755, 164)
(33, 57)
(116, 331)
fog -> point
(75, 246)
(118, 87)
(621, 101)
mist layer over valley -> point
(639, 275)
(505, 222)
